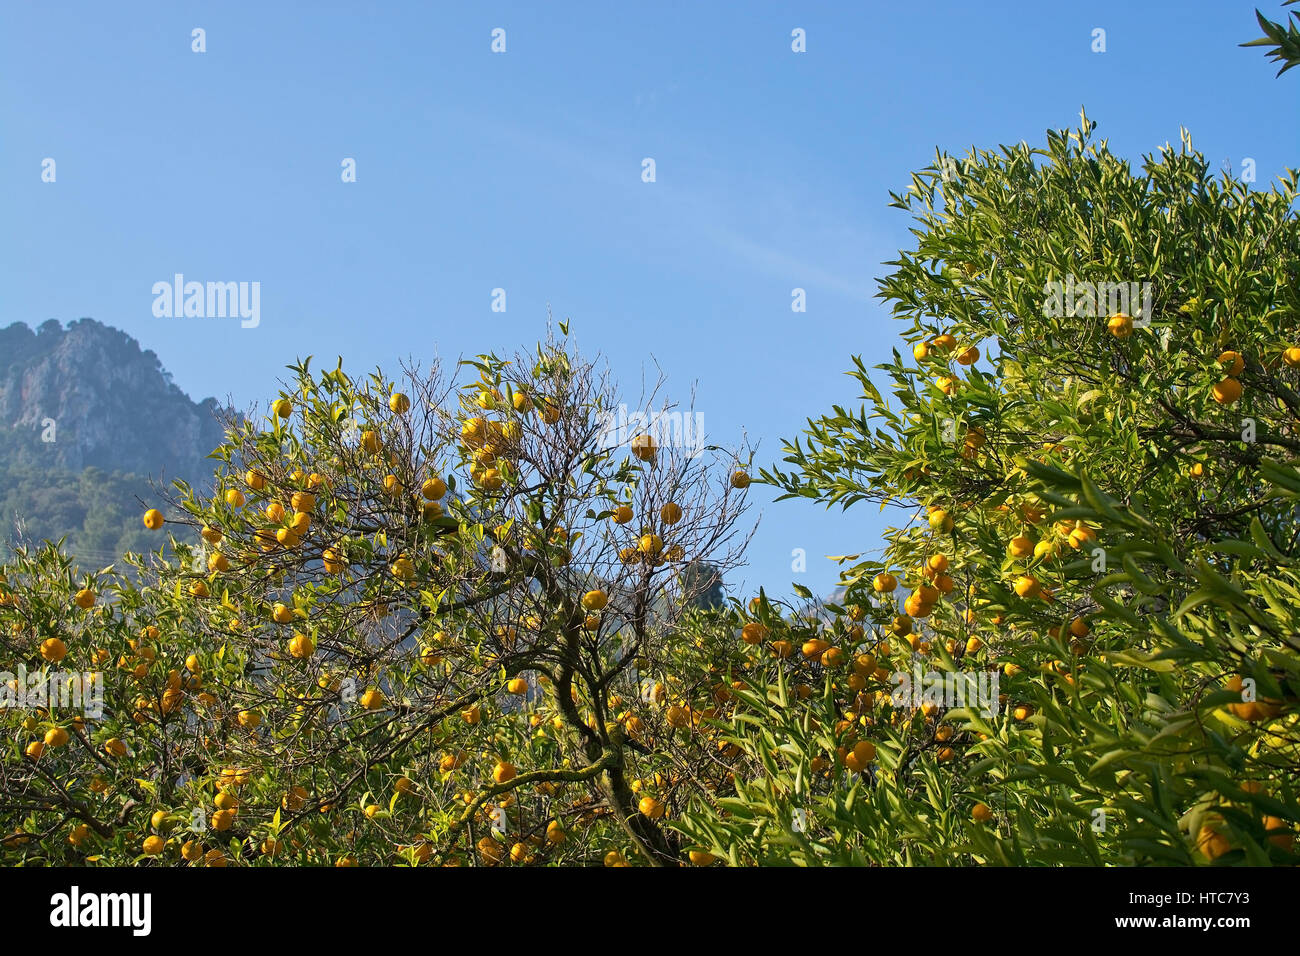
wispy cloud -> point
(718, 221)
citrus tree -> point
(427, 620)
(1092, 443)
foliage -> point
(98, 512)
(1116, 526)
(1282, 39)
(416, 627)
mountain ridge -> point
(90, 425)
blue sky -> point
(522, 171)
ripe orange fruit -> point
(399, 404)
(1081, 536)
(940, 521)
(915, 607)
(255, 479)
(595, 601)
(946, 384)
(56, 737)
(1211, 842)
(650, 544)
(981, 813)
(864, 664)
(622, 514)
(1020, 547)
(1279, 832)
(331, 561)
(153, 845)
(860, 757)
(753, 633)
(643, 447)
(491, 850)
(944, 343)
(85, 599)
(739, 479)
(1027, 586)
(301, 646)
(433, 488)
(372, 699)
(517, 685)
(815, 647)
(1227, 391)
(282, 407)
(153, 519)
(968, 356)
(701, 858)
(503, 772)
(1234, 362)
(1292, 357)
(670, 513)
(235, 498)
(223, 819)
(884, 582)
(677, 716)
(53, 650)
(651, 807)
(281, 614)
(1120, 325)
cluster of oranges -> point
(945, 347)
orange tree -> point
(1099, 497)
(436, 620)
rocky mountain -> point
(112, 405)
(87, 421)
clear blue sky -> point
(522, 171)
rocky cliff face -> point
(111, 406)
